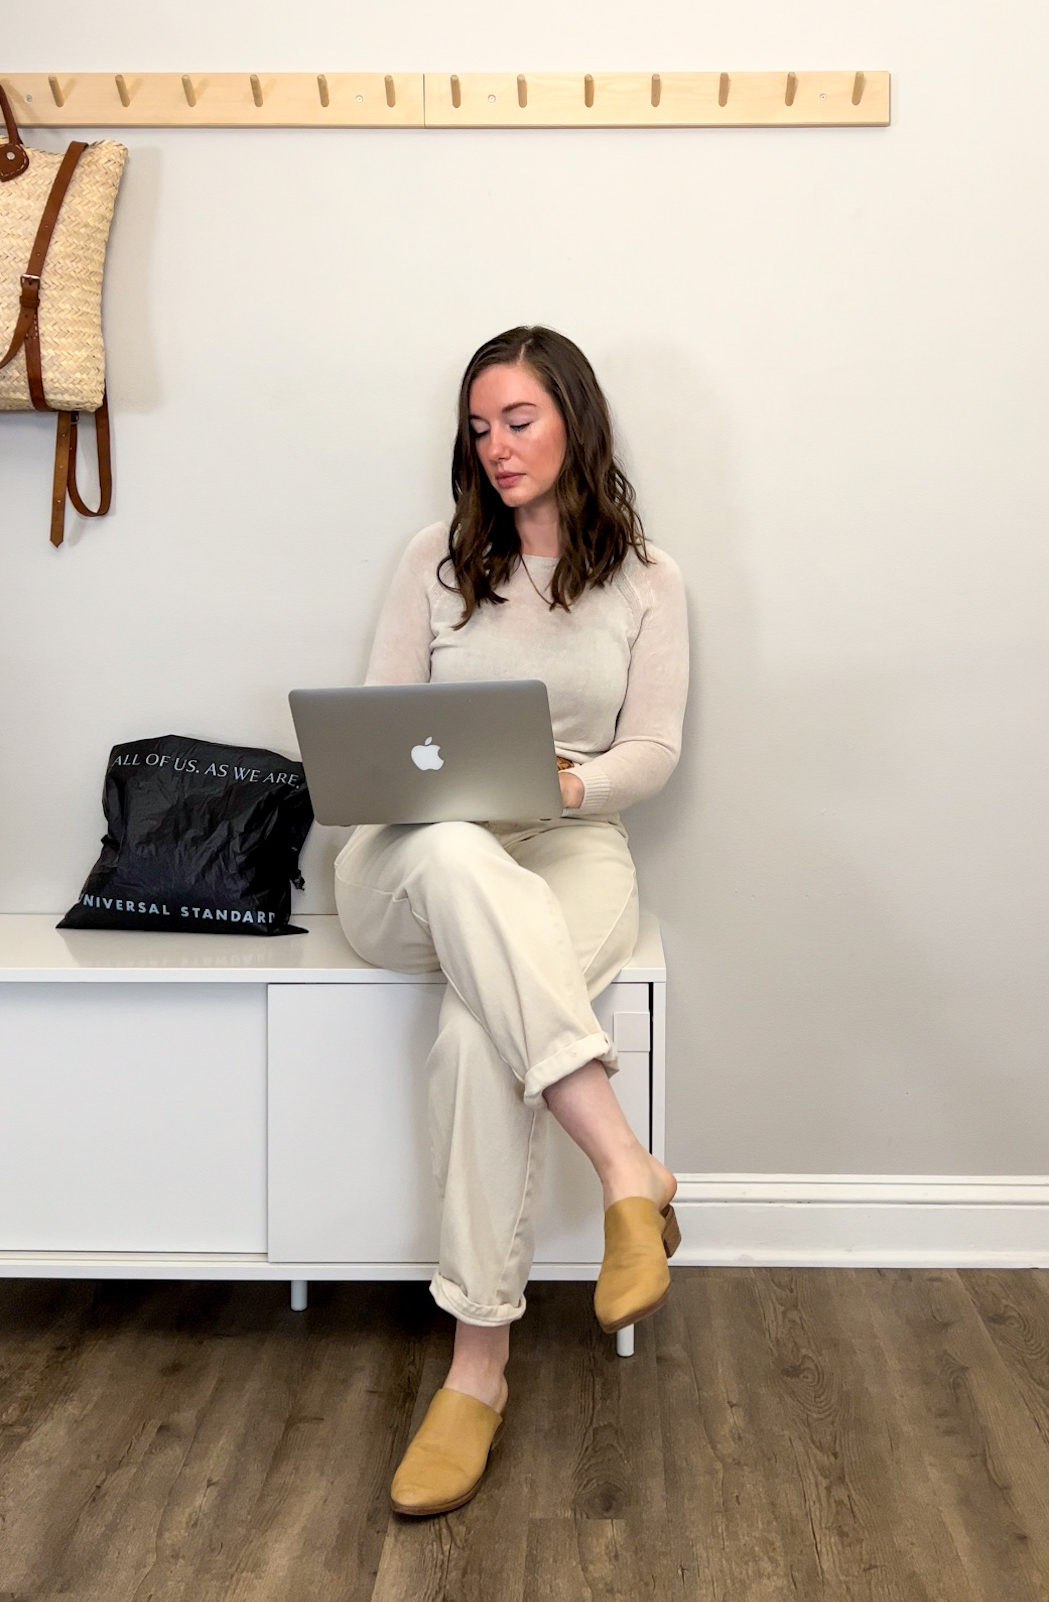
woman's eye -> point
(480, 433)
(517, 427)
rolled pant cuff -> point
(453, 1299)
(565, 1062)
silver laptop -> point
(428, 753)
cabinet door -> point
(350, 1176)
(349, 1170)
(132, 1118)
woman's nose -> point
(498, 448)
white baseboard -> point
(863, 1221)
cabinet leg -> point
(625, 1341)
(298, 1295)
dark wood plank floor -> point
(779, 1435)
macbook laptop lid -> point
(428, 753)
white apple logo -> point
(427, 756)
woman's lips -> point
(503, 479)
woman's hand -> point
(571, 788)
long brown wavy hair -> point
(595, 499)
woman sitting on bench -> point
(544, 573)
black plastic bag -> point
(200, 837)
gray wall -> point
(826, 354)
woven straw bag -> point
(55, 215)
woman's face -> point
(518, 434)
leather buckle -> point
(30, 289)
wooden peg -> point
(256, 89)
(56, 92)
(322, 90)
(457, 93)
(724, 84)
(522, 91)
(858, 86)
(792, 88)
(125, 98)
(588, 89)
(657, 88)
(189, 91)
(391, 90)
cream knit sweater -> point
(615, 666)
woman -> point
(543, 573)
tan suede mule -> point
(634, 1280)
(447, 1455)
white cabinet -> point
(132, 1118)
(221, 1106)
(350, 1176)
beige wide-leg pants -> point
(527, 923)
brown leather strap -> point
(14, 137)
(14, 158)
(33, 368)
(65, 470)
(29, 302)
(105, 471)
(61, 479)
(27, 326)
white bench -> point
(207, 1107)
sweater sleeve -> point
(400, 651)
(647, 741)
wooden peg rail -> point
(441, 100)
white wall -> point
(826, 354)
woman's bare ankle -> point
(639, 1175)
(487, 1386)
(478, 1363)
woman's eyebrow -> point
(475, 417)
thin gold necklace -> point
(543, 595)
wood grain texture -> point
(850, 1435)
(217, 100)
(978, 1440)
(443, 100)
(632, 99)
